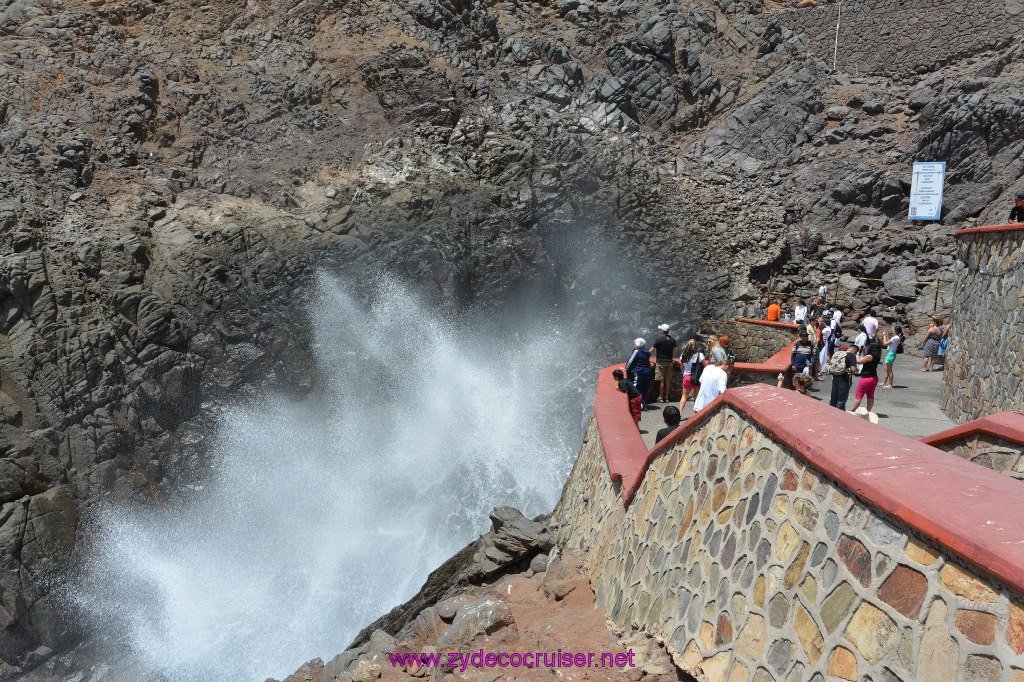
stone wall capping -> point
(975, 513)
(989, 228)
(784, 325)
(624, 447)
(1006, 425)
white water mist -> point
(321, 515)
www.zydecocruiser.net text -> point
(462, 660)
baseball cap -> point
(1019, 196)
(663, 327)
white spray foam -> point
(321, 515)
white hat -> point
(640, 343)
(863, 413)
(663, 327)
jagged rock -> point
(513, 539)
(486, 616)
(166, 205)
(447, 608)
(876, 266)
(899, 281)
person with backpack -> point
(692, 361)
(841, 368)
(893, 345)
(639, 367)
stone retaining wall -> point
(985, 357)
(995, 442)
(754, 341)
(997, 454)
(754, 565)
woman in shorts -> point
(892, 345)
(691, 354)
(868, 359)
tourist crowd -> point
(819, 349)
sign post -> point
(926, 190)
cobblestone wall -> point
(754, 341)
(755, 567)
(985, 357)
(997, 454)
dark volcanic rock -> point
(173, 177)
(511, 544)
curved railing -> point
(973, 512)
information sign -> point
(926, 190)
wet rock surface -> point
(172, 178)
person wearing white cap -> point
(639, 367)
(664, 349)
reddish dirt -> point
(572, 624)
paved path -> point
(912, 408)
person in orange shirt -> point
(773, 311)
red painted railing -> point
(1006, 425)
(971, 511)
(990, 228)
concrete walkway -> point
(912, 408)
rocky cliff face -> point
(173, 174)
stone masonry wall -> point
(753, 342)
(991, 452)
(985, 357)
(756, 568)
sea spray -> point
(320, 515)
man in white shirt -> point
(713, 382)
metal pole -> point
(835, 53)
(935, 306)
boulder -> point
(898, 281)
(484, 617)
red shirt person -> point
(635, 399)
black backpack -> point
(696, 369)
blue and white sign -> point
(926, 190)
